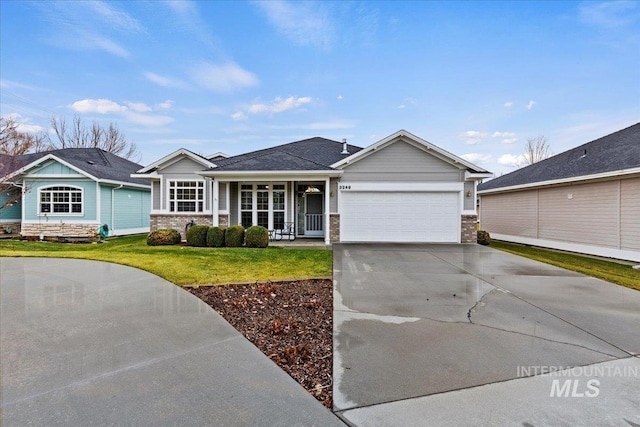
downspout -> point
(113, 205)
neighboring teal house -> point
(69, 193)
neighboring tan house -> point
(70, 193)
(583, 200)
(400, 189)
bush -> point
(197, 235)
(257, 237)
(234, 236)
(215, 237)
(164, 236)
(484, 238)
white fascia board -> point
(604, 175)
(152, 176)
(269, 175)
(440, 187)
(421, 143)
(126, 184)
(471, 176)
(174, 157)
(49, 158)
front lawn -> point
(611, 271)
(184, 265)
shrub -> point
(257, 237)
(234, 236)
(215, 237)
(197, 235)
(164, 236)
(484, 238)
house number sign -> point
(344, 187)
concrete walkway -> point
(461, 335)
(92, 343)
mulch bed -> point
(291, 322)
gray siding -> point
(513, 214)
(630, 214)
(333, 195)
(402, 162)
(469, 202)
(183, 166)
(233, 206)
(222, 196)
(156, 194)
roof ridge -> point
(309, 160)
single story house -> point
(70, 193)
(584, 200)
(400, 189)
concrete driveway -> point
(467, 335)
(92, 343)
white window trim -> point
(49, 214)
(254, 201)
(168, 196)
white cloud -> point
(511, 160)
(100, 106)
(166, 105)
(530, 104)
(401, 106)
(223, 78)
(473, 136)
(116, 18)
(238, 115)
(304, 23)
(608, 14)
(279, 105)
(139, 107)
(340, 97)
(102, 43)
(509, 140)
(24, 124)
(508, 104)
(503, 134)
(165, 81)
(478, 158)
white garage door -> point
(371, 216)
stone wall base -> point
(60, 231)
(334, 228)
(178, 222)
(469, 229)
(15, 228)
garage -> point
(379, 216)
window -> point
(186, 196)
(61, 200)
(262, 204)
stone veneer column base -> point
(178, 222)
(334, 228)
(469, 229)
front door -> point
(313, 218)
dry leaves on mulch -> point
(290, 322)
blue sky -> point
(475, 78)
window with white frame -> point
(186, 196)
(262, 204)
(61, 200)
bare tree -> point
(78, 135)
(535, 149)
(14, 143)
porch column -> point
(327, 209)
(215, 204)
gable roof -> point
(611, 154)
(308, 154)
(416, 141)
(176, 155)
(93, 162)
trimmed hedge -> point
(257, 237)
(164, 236)
(234, 236)
(215, 237)
(197, 235)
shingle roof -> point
(94, 161)
(308, 154)
(617, 151)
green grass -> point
(611, 271)
(184, 265)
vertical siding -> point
(512, 213)
(131, 209)
(156, 195)
(630, 214)
(402, 162)
(55, 168)
(585, 213)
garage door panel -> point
(399, 217)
